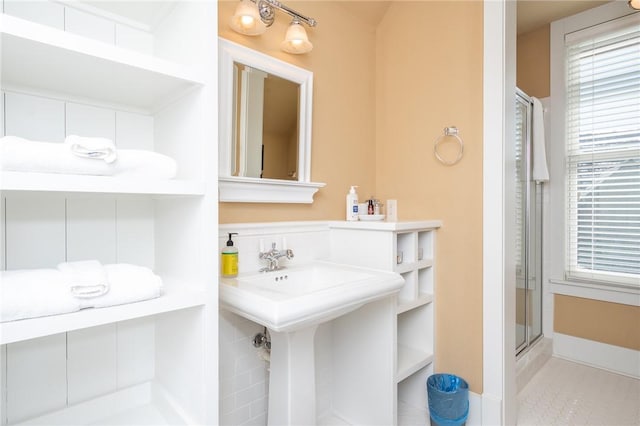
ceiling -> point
(367, 10)
(533, 14)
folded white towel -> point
(34, 293)
(127, 284)
(135, 163)
(540, 169)
(92, 147)
(22, 155)
(86, 278)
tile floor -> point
(566, 393)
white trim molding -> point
(605, 292)
(498, 318)
(256, 190)
(601, 355)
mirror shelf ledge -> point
(254, 190)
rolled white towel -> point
(540, 167)
(22, 155)
(31, 293)
(135, 163)
(92, 147)
(85, 278)
(127, 284)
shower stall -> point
(528, 231)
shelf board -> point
(54, 182)
(174, 297)
(411, 360)
(383, 225)
(41, 57)
(410, 266)
(407, 305)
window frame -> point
(556, 220)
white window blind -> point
(603, 152)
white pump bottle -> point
(352, 204)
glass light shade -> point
(246, 20)
(296, 40)
(634, 4)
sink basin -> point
(296, 297)
(291, 303)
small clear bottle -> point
(352, 204)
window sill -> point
(603, 292)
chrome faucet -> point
(272, 257)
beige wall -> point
(604, 322)
(343, 151)
(532, 62)
(379, 102)
(429, 75)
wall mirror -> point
(264, 127)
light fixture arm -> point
(266, 8)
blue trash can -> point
(448, 397)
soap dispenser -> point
(230, 258)
(352, 204)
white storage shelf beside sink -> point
(407, 248)
(144, 76)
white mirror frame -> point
(259, 190)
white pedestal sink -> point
(291, 303)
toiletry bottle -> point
(352, 204)
(230, 259)
(370, 206)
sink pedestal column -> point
(292, 381)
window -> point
(603, 152)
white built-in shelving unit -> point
(407, 248)
(145, 75)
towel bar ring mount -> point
(451, 131)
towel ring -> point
(448, 131)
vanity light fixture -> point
(246, 20)
(634, 4)
(252, 17)
(296, 40)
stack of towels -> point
(72, 286)
(83, 156)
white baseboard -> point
(601, 355)
(491, 410)
(530, 362)
(475, 409)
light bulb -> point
(247, 21)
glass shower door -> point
(528, 232)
